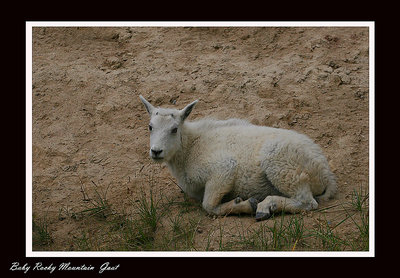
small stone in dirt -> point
(345, 79)
(113, 63)
(327, 69)
(360, 94)
(115, 36)
(335, 80)
(330, 38)
(333, 65)
(173, 100)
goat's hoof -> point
(253, 202)
(260, 216)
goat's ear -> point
(147, 104)
(185, 112)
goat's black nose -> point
(156, 152)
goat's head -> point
(165, 130)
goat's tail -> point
(330, 189)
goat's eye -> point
(174, 130)
(150, 128)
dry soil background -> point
(90, 128)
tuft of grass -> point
(99, 206)
(295, 231)
(83, 242)
(286, 233)
(137, 236)
(181, 235)
(254, 240)
(40, 234)
(329, 240)
(360, 202)
(148, 211)
(359, 199)
(139, 233)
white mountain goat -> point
(234, 167)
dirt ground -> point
(90, 128)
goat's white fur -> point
(233, 166)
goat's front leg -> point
(213, 195)
(221, 182)
(237, 206)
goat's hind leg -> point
(273, 204)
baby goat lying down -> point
(233, 166)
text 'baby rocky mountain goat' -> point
(233, 166)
